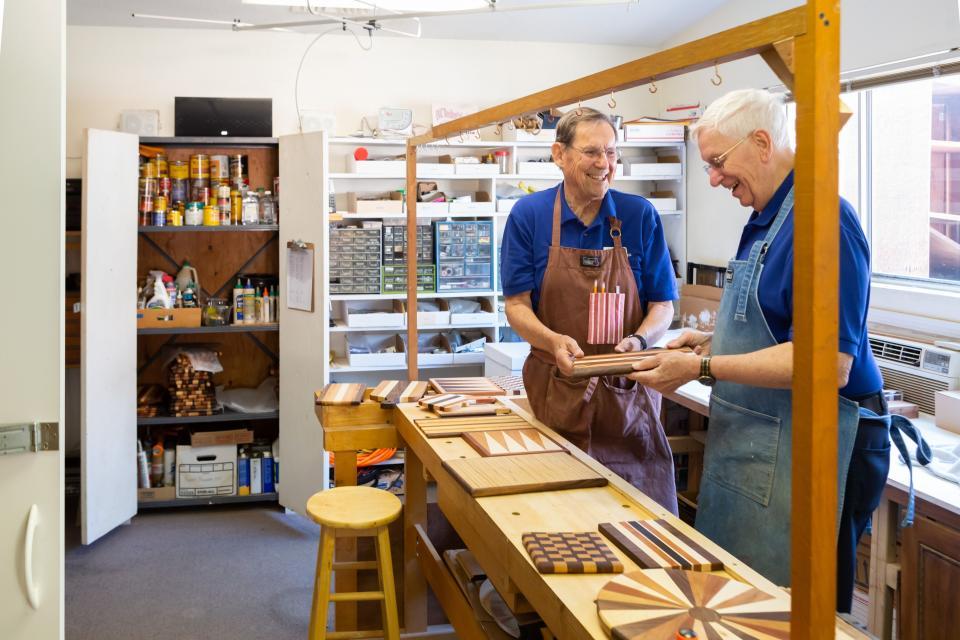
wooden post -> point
(411, 199)
(815, 295)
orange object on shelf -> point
(367, 458)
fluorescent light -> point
(386, 5)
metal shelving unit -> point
(229, 228)
(206, 501)
(230, 328)
(226, 416)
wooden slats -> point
(658, 544)
(447, 427)
(506, 475)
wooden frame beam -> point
(812, 32)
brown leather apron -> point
(612, 418)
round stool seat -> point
(353, 507)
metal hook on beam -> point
(716, 80)
(613, 101)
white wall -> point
(872, 32)
(110, 69)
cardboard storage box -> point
(664, 204)
(228, 436)
(948, 410)
(484, 316)
(643, 169)
(356, 204)
(546, 169)
(376, 359)
(433, 208)
(654, 132)
(157, 494)
(428, 318)
(698, 306)
(365, 317)
(167, 318)
(392, 168)
(505, 358)
(206, 471)
(426, 342)
(512, 134)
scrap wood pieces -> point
(657, 603)
(614, 364)
(571, 552)
(191, 391)
(339, 394)
(454, 404)
(659, 544)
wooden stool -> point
(353, 511)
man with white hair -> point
(744, 501)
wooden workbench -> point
(491, 527)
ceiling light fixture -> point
(396, 6)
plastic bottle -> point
(266, 471)
(256, 474)
(156, 463)
(243, 473)
(171, 288)
(268, 211)
(250, 213)
(143, 468)
(238, 303)
(249, 306)
(186, 275)
(169, 465)
(265, 306)
(274, 304)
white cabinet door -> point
(31, 367)
(303, 348)
(108, 343)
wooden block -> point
(448, 427)
(337, 394)
(657, 603)
(444, 401)
(387, 391)
(659, 544)
(413, 391)
(466, 386)
(571, 552)
(506, 475)
(503, 442)
(611, 364)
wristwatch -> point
(706, 378)
(643, 341)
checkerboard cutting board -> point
(659, 544)
(336, 393)
(452, 427)
(507, 475)
(504, 442)
(656, 603)
(571, 552)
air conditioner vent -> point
(895, 352)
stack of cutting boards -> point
(191, 391)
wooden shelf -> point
(206, 501)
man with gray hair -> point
(744, 501)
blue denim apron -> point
(744, 502)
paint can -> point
(211, 217)
(164, 186)
(200, 190)
(200, 167)
(219, 167)
(193, 215)
(179, 190)
(179, 170)
(162, 166)
(148, 186)
(148, 169)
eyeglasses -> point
(593, 153)
(717, 161)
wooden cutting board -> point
(413, 391)
(571, 552)
(506, 442)
(505, 475)
(444, 401)
(388, 391)
(511, 385)
(612, 364)
(659, 544)
(466, 386)
(338, 393)
(451, 427)
(657, 603)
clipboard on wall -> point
(300, 272)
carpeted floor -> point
(233, 572)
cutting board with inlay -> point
(659, 544)
(532, 473)
(446, 427)
(507, 442)
(657, 603)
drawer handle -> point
(33, 591)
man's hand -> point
(565, 349)
(667, 371)
(699, 341)
(630, 343)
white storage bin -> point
(654, 132)
(365, 317)
(430, 169)
(505, 358)
(355, 204)
(664, 204)
(206, 471)
(486, 170)
(512, 134)
(504, 205)
(477, 208)
(376, 343)
(392, 168)
(433, 208)
(485, 315)
(546, 169)
(426, 343)
(427, 318)
(641, 169)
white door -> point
(31, 367)
(108, 330)
(303, 463)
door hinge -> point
(29, 437)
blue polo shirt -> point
(775, 291)
(527, 237)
